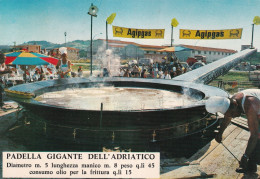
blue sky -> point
(26, 20)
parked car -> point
(257, 66)
(145, 61)
(196, 58)
(197, 65)
(132, 62)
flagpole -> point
(109, 20)
(91, 46)
(65, 34)
(171, 36)
(92, 12)
(106, 37)
(252, 35)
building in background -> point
(212, 54)
(28, 48)
(124, 49)
(132, 50)
(127, 50)
(73, 53)
(152, 51)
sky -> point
(26, 20)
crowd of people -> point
(155, 70)
(26, 74)
(32, 73)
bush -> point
(81, 61)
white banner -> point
(81, 165)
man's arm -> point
(58, 64)
(69, 66)
(4, 69)
(226, 121)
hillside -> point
(79, 44)
(43, 44)
(5, 48)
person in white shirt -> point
(122, 72)
(166, 75)
(64, 65)
(160, 73)
(80, 72)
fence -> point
(235, 85)
(254, 76)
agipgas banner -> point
(211, 34)
(138, 33)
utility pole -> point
(106, 37)
(14, 46)
(65, 34)
(92, 12)
(172, 36)
(252, 35)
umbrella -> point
(174, 49)
(26, 58)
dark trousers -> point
(255, 156)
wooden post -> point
(101, 115)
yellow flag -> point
(174, 23)
(111, 18)
(256, 20)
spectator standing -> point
(172, 73)
(136, 72)
(127, 72)
(64, 65)
(154, 70)
(143, 67)
(178, 71)
(160, 73)
(167, 75)
(143, 75)
(105, 72)
(80, 72)
(122, 72)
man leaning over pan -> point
(247, 102)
